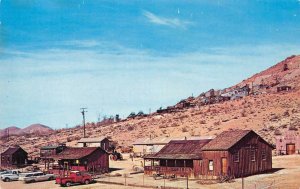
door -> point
(224, 166)
(290, 149)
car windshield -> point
(29, 175)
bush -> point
(184, 129)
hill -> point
(37, 129)
(261, 106)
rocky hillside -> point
(268, 112)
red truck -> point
(75, 177)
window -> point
(252, 154)
(210, 165)
(263, 155)
(236, 156)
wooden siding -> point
(244, 166)
(16, 159)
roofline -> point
(239, 141)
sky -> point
(118, 57)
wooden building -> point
(92, 159)
(101, 142)
(236, 153)
(145, 146)
(288, 143)
(14, 157)
(48, 151)
(284, 88)
(178, 157)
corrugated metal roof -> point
(180, 149)
(76, 153)
(92, 140)
(166, 140)
(226, 140)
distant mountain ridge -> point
(37, 128)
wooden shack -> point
(14, 157)
(178, 157)
(236, 153)
(48, 151)
(102, 142)
(284, 88)
(92, 159)
(288, 143)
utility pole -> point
(7, 134)
(83, 116)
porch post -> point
(175, 163)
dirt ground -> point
(286, 175)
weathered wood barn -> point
(14, 157)
(238, 153)
(92, 159)
(233, 153)
(178, 157)
(102, 142)
(288, 143)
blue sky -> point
(115, 57)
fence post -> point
(187, 182)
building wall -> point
(17, 159)
(103, 144)
(98, 161)
(245, 166)
(290, 137)
(216, 158)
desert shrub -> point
(184, 129)
(277, 132)
(293, 128)
(217, 123)
(243, 113)
(174, 125)
(202, 122)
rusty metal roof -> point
(76, 153)
(180, 149)
(227, 139)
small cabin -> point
(14, 157)
(102, 142)
(236, 153)
(284, 88)
(91, 159)
(288, 143)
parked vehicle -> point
(75, 177)
(23, 175)
(10, 175)
(38, 177)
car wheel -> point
(68, 184)
(86, 182)
(50, 178)
(7, 179)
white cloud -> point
(172, 22)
